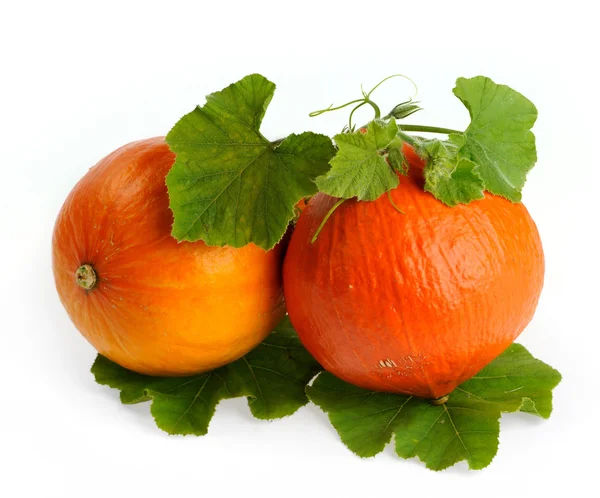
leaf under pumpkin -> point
(466, 427)
(272, 376)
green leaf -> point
(275, 374)
(359, 169)
(498, 139)
(230, 185)
(516, 381)
(273, 377)
(450, 178)
(466, 427)
(398, 161)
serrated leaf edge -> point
(558, 378)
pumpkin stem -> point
(440, 401)
(86, 276)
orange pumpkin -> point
(412, 303)
(142, 299)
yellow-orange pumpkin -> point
(153, 305)
(412, 303)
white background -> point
(82, 78)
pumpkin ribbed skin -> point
(159, 307)
(412, 303)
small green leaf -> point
(230, 185)
(359, 169)
(499, 139)
(398, 161)
(451, 179)
(466, 427)
(272, 376)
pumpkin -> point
(412, 303)
(142, 299)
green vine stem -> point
(327, 216)
(365, 100)
(427, 129)
(408, 139)
(389, 194)
(350, 128)
(389, 78)
(331, 108)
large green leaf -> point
(499, 138)
(273, 377)
(229, 184)
(466, 427)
